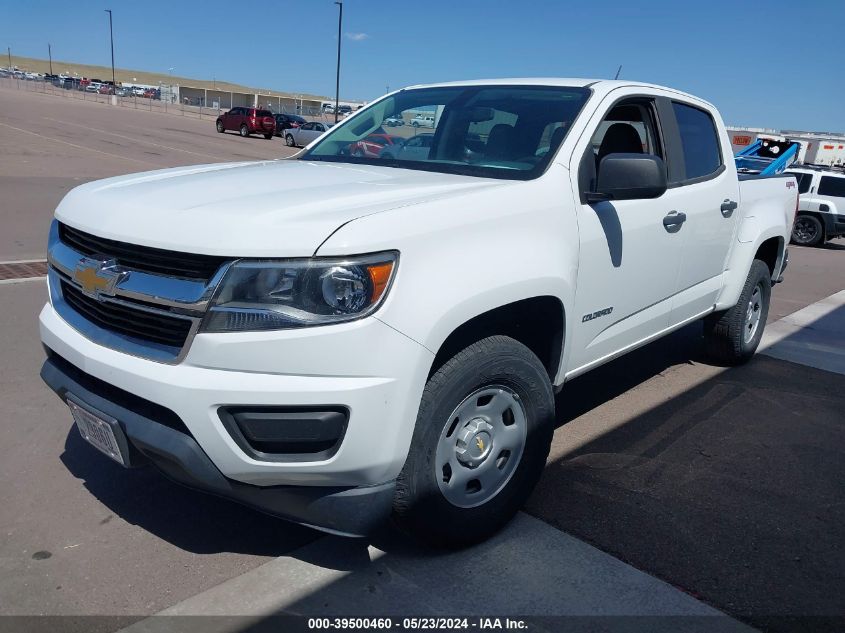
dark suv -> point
(286, 122)
(248, 121)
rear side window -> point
(804, 181)
(700, 141)
(832, 186)
(264, 113)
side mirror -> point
(629, 177)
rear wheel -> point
(481, 440)
(807, 230)
(220, 127)
(268, 136)
(289, 141)
(732, 336)
(244, 131)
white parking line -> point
(137, 140)
(82, 147)
(4, 282)
(813, 336)
(25, 261)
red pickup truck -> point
(248, 121)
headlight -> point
(284, 294)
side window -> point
(804, 182)
(319, 127)
(307, 126)
(832, 186)
(629, 127)
(700, 141)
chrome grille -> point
(156, 306)
(143, 258)
(144, 325)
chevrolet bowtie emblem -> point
(98, 277)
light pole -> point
(50, 55)
(339, 3)
(111, 37)
(9, 51)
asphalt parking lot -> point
(724, 483)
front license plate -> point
(98, 431)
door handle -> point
(673, 221)
(728, 207)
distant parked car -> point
(248, 121)
(138, 91)
(93, 87)
(105, 89)
(286, 122)
(414, 148)
(394, 121)
(305, 133)
(123, 92)
(373, 145)
(345, 109)
(422, 121)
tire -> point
(358, 153)
(289, 141)
(268, 136)
(220, 127)
(244, 131)
(731, 337)
(415, 124)
(513, 377)
(807, 231)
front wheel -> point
(807, 230)
(481, 440)
(220, 127)
(244, 131)
(732, 336)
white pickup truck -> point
(353, 338)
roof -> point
(603, 85)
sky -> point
(774, 64)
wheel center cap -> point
(475, 440)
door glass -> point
(699, 139)
(629, 128)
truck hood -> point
(281, 208)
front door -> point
(630, 249)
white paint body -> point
(467, 245)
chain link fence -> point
(172, 99)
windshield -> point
(491, 131)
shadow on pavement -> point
(731, 490)
(193, 521)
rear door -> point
(304, 134)
(707, 190)
(233, 119)
(832, 190)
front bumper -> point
(372, 370)
(351, 511)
